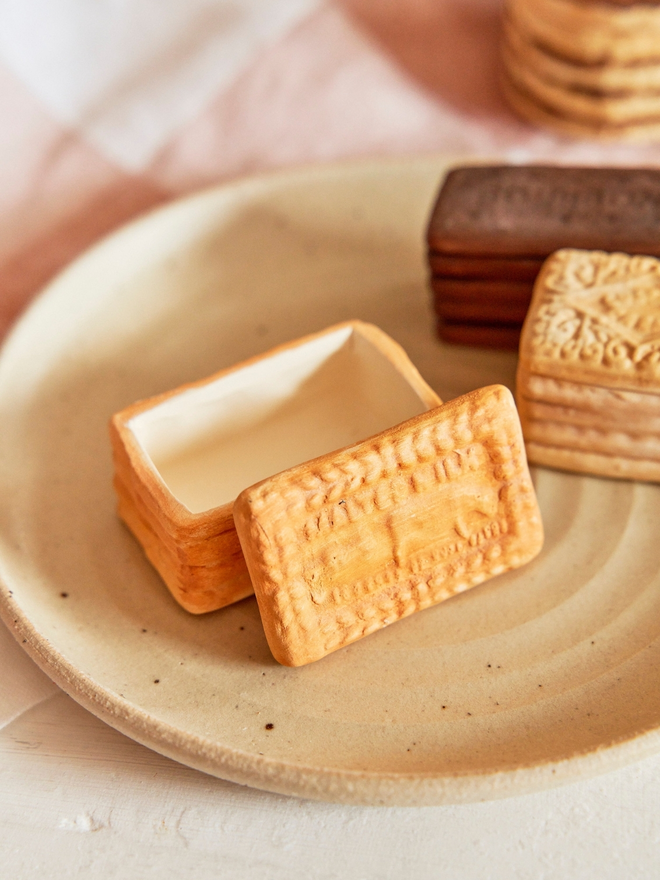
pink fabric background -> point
(352, 78)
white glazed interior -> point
(212, 441)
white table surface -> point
(78, 799)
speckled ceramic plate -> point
(540, 676)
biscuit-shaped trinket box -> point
(344, 545)
(588, 384)
(182, 457)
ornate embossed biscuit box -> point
(182, 457)
(344, 545)
(588, 385)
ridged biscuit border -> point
(280, 519)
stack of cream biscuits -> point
(585, 67)
(588, 385)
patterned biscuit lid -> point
(346, 544)
(595, 318)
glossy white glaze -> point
(212, 441)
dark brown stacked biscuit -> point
(493, 226)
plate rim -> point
(279, 776)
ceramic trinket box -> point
(182, 458)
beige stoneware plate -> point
(541, 676)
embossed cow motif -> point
(352, 542)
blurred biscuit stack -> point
(589, 69)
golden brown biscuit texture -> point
(597, 78)
(585, 68)
(593, 400)
(589, 371)
(531, 108)
(618, 467)
(601, 109)
(595, 318)
(353, 541)
(592, 32)
(198, 554)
